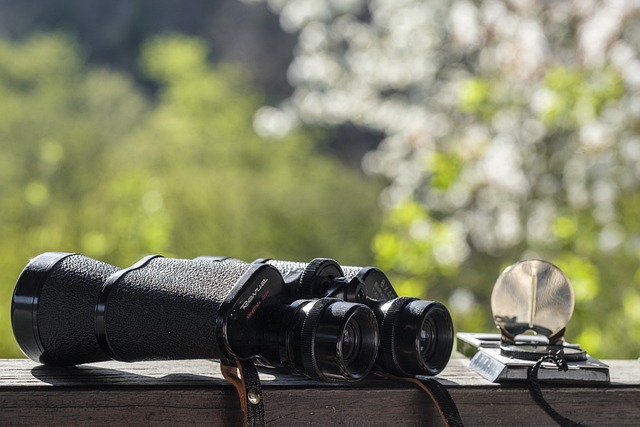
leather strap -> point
(244, 377)
(536, 392)
(439, 395)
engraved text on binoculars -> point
(245, 304)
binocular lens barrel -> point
(416, 337)
(334, 339)
(53, 308)
(68, 309)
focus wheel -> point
(317, 278)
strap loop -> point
(244, 377)
(536, 392)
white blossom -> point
(398, 66)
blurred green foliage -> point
(574, 96)
(577, 96)
(476, 96)
(414, 248)
(92, 164)
(605, 320)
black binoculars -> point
(315, 319)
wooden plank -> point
(194, 392)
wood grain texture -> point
(194, 392)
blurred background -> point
(440, 141)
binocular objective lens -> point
(427, 338)
(350, 346)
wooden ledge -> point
(194, 392)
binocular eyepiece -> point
(69, 309)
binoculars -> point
(316, 319)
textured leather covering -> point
(168, 309)
(66, 310)
(288, 268)
(350, 272)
